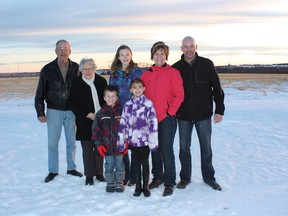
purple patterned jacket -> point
(138, 124)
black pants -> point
(140, 158)
(92, 160)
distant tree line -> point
(258, 68)
(264, 69)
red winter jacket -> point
(164, 87)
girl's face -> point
(137, 89)
(125, 57)
(110, 98)
(159, 57)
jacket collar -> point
(138, 100)
(116, 106)
(153, 66)
(196, 57)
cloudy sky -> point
(226, 31)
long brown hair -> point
(116, 64)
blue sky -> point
(226, 31)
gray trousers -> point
(114, 170)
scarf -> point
(94, 92)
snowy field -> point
(250, 158)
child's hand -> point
(91, 116)
(126, 149)
(102, 150)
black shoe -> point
(155, 183)
(137, 192)
(146, 192)
(100, 178)
(110, 189)
(89, 181)
(182, 184)
(168, 191)
(131, 183)
(74, 173)
(214, 185)
(50, 177)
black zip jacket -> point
(52, 89)
(202, 87)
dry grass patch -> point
(22, 87)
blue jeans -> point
(55, 120)
(165, 153)
(114, 169)
(204, 131)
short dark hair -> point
(62, 41)
(136, 81)
(111, 88)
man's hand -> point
(42, 119)
(218, 118)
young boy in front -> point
(139, 128)
(104, 136)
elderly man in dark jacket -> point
(54, 86)
(201, 87)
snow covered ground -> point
(250, 158)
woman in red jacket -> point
(164, 88)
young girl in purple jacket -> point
(139, 128)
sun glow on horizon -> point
(227, 32)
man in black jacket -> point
(201, 87)
(54, 86)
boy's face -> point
(137, 89)
(110, 98)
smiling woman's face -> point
(159, 57)
(88, 71)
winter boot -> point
(146, 190)
(110, 188)
(110, 182)
(137, 192)
(119, 176)
(138, 189)
(119, 187)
